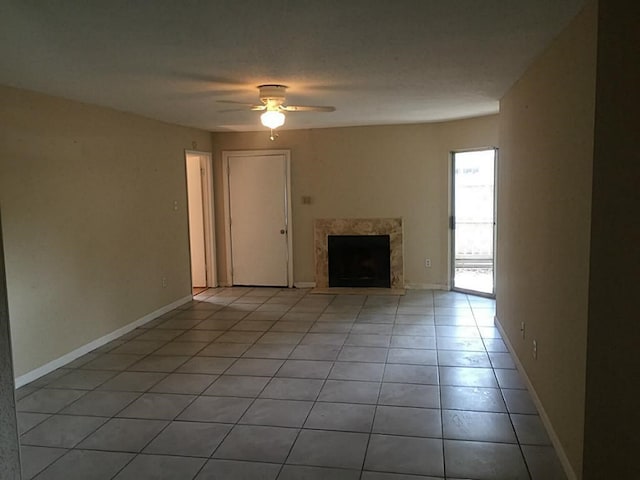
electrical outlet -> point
(522, 329)
(427, 263)
(164, 282)
(535, 350)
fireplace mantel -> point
(323, 227)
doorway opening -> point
(472, 221)
(201, 220)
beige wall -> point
(87, 207)
(380, 171)
(612, 416)
(544, 208)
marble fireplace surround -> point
(323, 227)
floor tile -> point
(292, 388)
(255, 367)
(251, 325)
(181, 348)
(408, 421)
(278, 338)
(288, 326)
(472, 398)
(159, 363)
(48, 400)
(461, 358)
(519, 401)
(530, 430)
(460, 344)
(412, 356)
(372, 328)
(315, 352)
(368, 372)
(483, 460)
(36, 459)
(62, 431)
(329, 449)
(409, 455)
(479, 426)
(269, 351)
(139, 347)
(133, 381)
(331, 327)
(411, 374)
(225, 350)
(207, 365)
(349, 391)
(215, 409)
(238, 337)
(237, 386)
(324, 339)
(257, 443)
(415, 330)
(190, 439)
(161, 467)
(111, 361)
(543, 463)
(341, 416)
(305, 369)
(186, 383)
(509, 379)
(410, 395)
(368, 340)
(101, 403)
(160, 334)
(86, 465)
(199, 336)
(468, 377)
(501, 360)
(404, 341)
(26, 420)
(159, 406)
(277, 413)
(83, 379)
(123, 435)
(363, 354)
(232, 470)
(296, 472)
(394, 476)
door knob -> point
(283, 231)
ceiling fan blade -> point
(233, 102)
(306, 108)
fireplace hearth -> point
(359, 261)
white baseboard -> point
(425, 286)
(78, 352)
(555, 440)
(304, 284)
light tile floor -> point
(282, 384)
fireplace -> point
(359, 261)
(357, 227)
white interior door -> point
(258, 210)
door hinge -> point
(452, 222)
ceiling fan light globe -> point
(272, 119)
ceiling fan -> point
(273, 105)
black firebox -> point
(359, 261)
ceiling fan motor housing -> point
(272, 95)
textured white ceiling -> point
(376, 61)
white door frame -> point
(451, 208)
(226, 156)
(209, 216)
